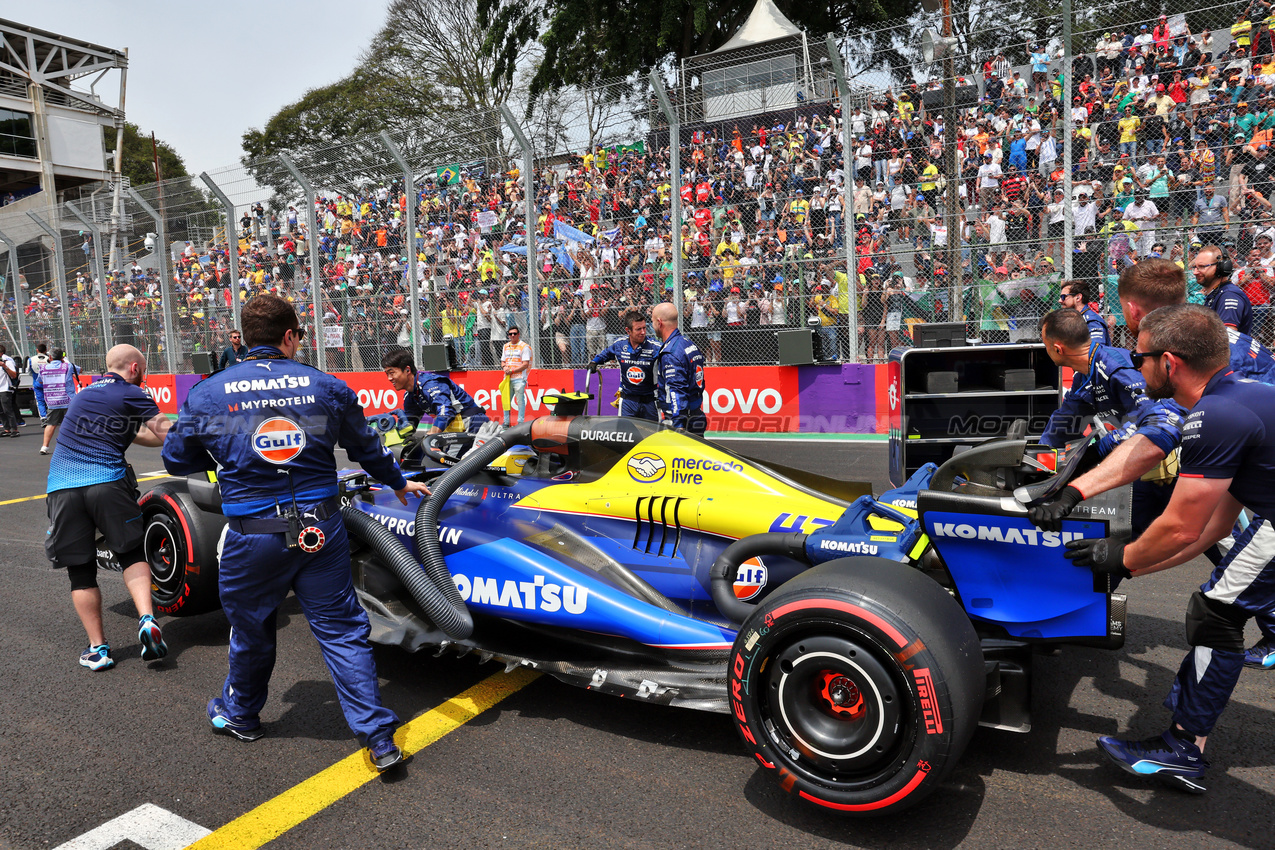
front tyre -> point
(180, 542)
(859, 683)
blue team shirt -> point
(1098, 330)
(1111, 389)
(1250, 359)
(264, 415)
(441, 397)
(1232, 306)
(1228, 434)
(637, 366)
(100, 424)
(679, 375)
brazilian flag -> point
(448, 174)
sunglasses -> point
(299, 333)
(513, 334)
(1138, 356)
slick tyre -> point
(858, 684)
(180, 542)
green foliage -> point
(138, 163)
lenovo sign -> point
(751, 398)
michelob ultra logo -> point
(278, 440)
(646, 467)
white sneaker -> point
(45, 450)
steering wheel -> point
(443, 448)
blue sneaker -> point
(1260, 655)
(153, 646)
(97, 657)
(1173, 760)
(243, 728)
(385, 754)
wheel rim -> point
(837, 709)
(166, 554)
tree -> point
(586, 40)
(138, 163)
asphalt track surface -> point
(548, 765)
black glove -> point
(1103, 556)
(1049, 515)
(593, 367)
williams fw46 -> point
(855, 642)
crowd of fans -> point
(1172, 133)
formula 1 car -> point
(855, 642)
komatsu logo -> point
(849, 547)
(608, 436)
(290, 382)
(904, 503)
(1021, 536)
(535, 595)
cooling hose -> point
(451, 616)
(428, 547)
(789, 545)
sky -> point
(199, 73)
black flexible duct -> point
(450, 616)
(789, 545)
(428, 547)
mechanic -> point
(1076, 295)
(432, 393)
(1212, 270)
(55, 385)
(1228, 463)
(34, 364)
(234, 352)
(269, 425)
(515, 357)
(679, 374)
(1149, 285)
(636, 356)
(91, 489)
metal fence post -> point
(18, 306)
(1069, 221)
(59, 269)
(849, 232)
(232, 244)
(99, 269)
(675, 182)
(413, 284)
(165, 279)
(529, 190)
(316, 287)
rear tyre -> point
(859, 683)
(180, 542)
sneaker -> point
(153, 646)
(1175, 761)
(97, 658)
(385, 754)
(45, 450)
(243, 728)
(1261, 655)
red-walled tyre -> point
(859, 684)
(180, 542)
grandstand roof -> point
(765, 23)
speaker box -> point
(201, 363)
(438, 358)
(796, 347)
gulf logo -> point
(750, 579)
(278, 440)
(634, 374)
(646, 467)
(699, 376)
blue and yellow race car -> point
(854, 641)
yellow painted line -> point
(43, 495)
(275, 817)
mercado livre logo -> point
(646, 467)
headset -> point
(1225, 267)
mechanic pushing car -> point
(269, 425)
(1147, 286)
(1227, 464)
(636, 356)
(679, 374)
(432, 394)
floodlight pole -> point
(59, 269)
(675, 183)
(162, 250)
(849, 231)
(316, 297)
(1069, 219)
(232, 245)
(529, 198)
(99, 269)
(18, 306)
(955, 311)
(413, 284)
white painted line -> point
(146, 826)
(156, 472)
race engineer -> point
(1212, 271)
(679, 374)
(268, 425)
(1227, 463)
(636, 356)
(91, 490)
(432, 394)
